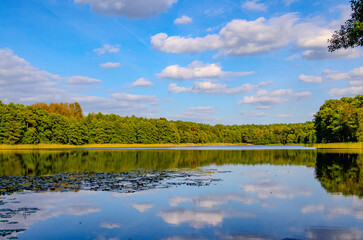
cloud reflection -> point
(356, 210)
(198, 219)
(312, 233)
(208, 201)
(312, 208)
(142, 207)
(266, 188)
(49, 205)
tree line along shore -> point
(337, 121)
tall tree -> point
(339, 120)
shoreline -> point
(355, 145)
(358, 145)
(135, 145)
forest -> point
(64, 123)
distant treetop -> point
(69, 110)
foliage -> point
(351, 33)
(64, 123)
(69, 110)
(340, 120)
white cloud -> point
(107, 48)
(322, 53)
(254, 5)
(177, 44)
(202, 109)
(183, 20)
(313, 38)
(77, 80)
(293, 57)
(355, 76)
(312, 208)
(124, 107)
(197, 114)
(284, 116)
(16, 71)
(109, 225)
(254, 114)
(22, 83)
(346, 92)
(174, 88)
(266, 188)
(198, 70)
(264, 99)
(110, 65)
(129, 8)
(141, 82)
(335, 75)
(126, 97)
(208, 87)
(241, 37)
(238, 37)
(142, 207)
(356, 83)
(310, 78)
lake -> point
(233, 192)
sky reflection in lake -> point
(264, 201)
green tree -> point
(30, 136)
(351, 33)
(360, 125)
(339, 120)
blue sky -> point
(222, 61)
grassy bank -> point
(61, 146)
(358, 145)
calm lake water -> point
(245, 193)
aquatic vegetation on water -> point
(6, 232)
(252, 191)
(124, 182)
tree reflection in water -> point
(87, 192)
(340, 172)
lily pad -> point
(131, 181)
